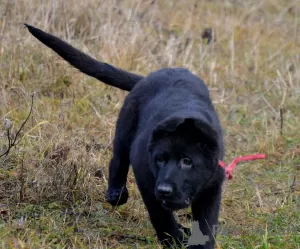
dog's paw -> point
(187, 232)
(178, 240)
(117, 196)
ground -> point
(53, 182)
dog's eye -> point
(186, 162)
(160, 160)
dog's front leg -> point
(164, 223)
(166, 227)
(117, 193)
(205, 213)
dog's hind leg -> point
(117, 193)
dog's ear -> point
(191, 126)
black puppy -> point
(169, 131)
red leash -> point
(230, 167)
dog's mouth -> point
(174, 205)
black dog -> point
(169, 131)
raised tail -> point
(102, 71)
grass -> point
(49, 194)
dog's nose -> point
(165, 189)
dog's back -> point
(172, 91)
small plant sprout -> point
(8, 125)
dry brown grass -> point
(49, 195)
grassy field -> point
(53, 183)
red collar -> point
(230, 167)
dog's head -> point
(184, 158)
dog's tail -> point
(102, 71)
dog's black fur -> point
(169, 131)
